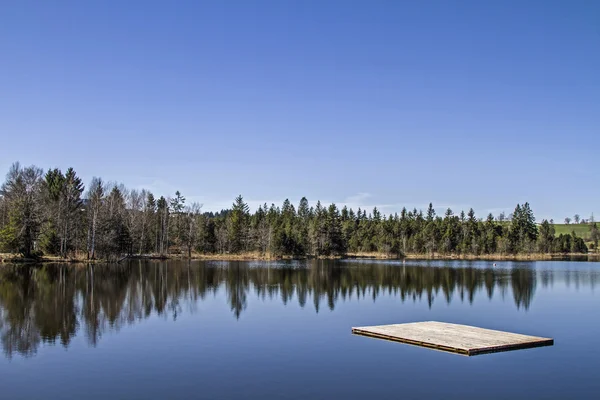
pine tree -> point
(523, 230)
(303, 209)
(334, 244)
(115, 236)
(546, 237)
(491, 234)
(404, 229)
(287, 229)
(430, 213)
(237, 228)
(72, 206)
(529, 223)
(316, 231)
(471, 245)
(50, 235)
(177, 206)
(162, 207)
(450, 232)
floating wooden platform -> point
(462, 339)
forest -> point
(53, 213)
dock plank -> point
(462, 339)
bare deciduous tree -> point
(22, 196)
(221, 236)
(192, 214)
(134, 211)
(95, 196)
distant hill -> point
(581, 230)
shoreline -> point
(255, 256)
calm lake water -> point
(257, 330)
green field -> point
(581, 230)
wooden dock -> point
(462, 339)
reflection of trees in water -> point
(523, 286)
(51, 303)
(237, 284)
(18, 331)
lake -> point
(257, 330)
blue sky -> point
(479, 104)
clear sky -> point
(477, 104)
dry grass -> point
(373, 255)
(532, 256)
(439, 256)
(73, 258)
(253, 256)
(250, 255)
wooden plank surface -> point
(455, 338)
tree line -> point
(53, 213)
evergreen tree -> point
(237, 227)
(50, 239)
(334, 244)
(577, 244)
(471, 244)
(317, 231)
(430, 213)
(72, 204)
(523, 231)
(492, 232)
(303, 220)
(546, 237)
(530, 226)
(177, 206)
(450, 229)
(431, 232)
(162, 214)
(115, 236)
